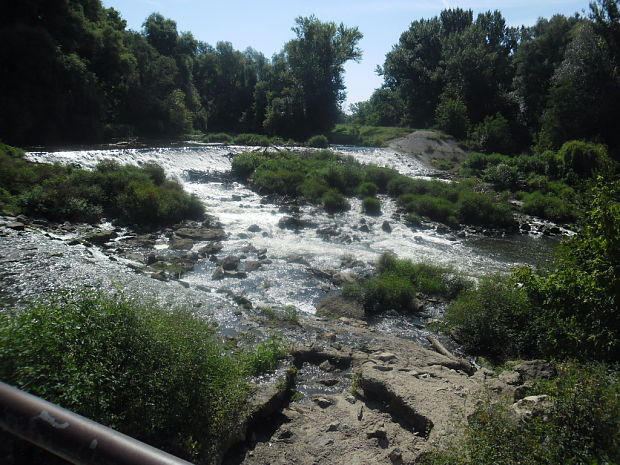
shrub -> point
(244, 164)
(495, 319)
(483, 210)
(451, 117)
(133, 195)
(334, 202)
(398, 281)
(158, 375)
(380, 176)
(549, 207)
(581, 160)
(502, 176)
(372, 206)
(367, 189)
(220, 137)
(252, 139)
(578, 302)
(319, 141)
(494, 135)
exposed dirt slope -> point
(427, 145)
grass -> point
(366, 136)
(136, 196)
(159, 375)
(399, 281)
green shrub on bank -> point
(312, 175)
(157, 375)
(367, 189)
(371, 206)
(334, 202)
(495, 319)
(571, 311)
(549, 207)
(252, 139)
(582, 426)
(399, 280)
(137, 196)
(219, 137)
(319, 141)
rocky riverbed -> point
(349, 391)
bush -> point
(380, 176)
(494, 135)
(372, 206)
(252, 139)
(578, 302)
(483, 210)
(142, 196)
(495, 319)
(398, 281)
(244, 164)
(580, 160)
(334, 202)
(319, 141)
(367, 189)
(160, 376)
(220, 137)
(549, 207)
(451, 116)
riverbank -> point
(353, 379)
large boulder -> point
(201, 234)
(337, 306)
(533, 369)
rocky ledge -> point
(377, 399)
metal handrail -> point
(71, 436)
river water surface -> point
(350, 242)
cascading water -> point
(350, 240)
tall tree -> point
(316, 58)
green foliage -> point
(252, 139)
(334, 202)
(142, 196)
(495, 319)
(367, 189)
(581, 160)
(451, 116)
(219, 137)
(325, 178)
(132, 366)
(483, 210)
(579, 300)
(399, 280)
(581, 427)
(371, 206)
(571, 311)
(549, 207)
(319, 141)
(493, 134)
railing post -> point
(72, 437)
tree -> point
(316, 58)
(584, 94)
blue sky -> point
(265, 25)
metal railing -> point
(71, 436)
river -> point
(352, 243)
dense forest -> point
(501, 87)
(78, 74)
